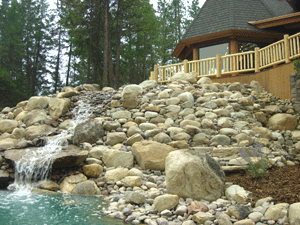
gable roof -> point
(221, 15)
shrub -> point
(297, 65)
(257, 161)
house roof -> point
(221, 15)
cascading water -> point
(36, 164)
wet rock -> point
(69, 183)
(86, 188)
(89, 131)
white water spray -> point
(36, 164)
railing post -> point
(257, 59)
(155, 73)
(287, 48)
(151, 75)
(219, 65)
(185, 64)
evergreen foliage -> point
(108, 42)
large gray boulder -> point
(89, 131)
(190, 174)
(151, 154)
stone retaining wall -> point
(295, 91)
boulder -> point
(88, 187)
(283, 121)
(4, 179)
(202, 217)
(69, 157)
(132, 91)
(7, 125)
(33, 132)
(8, 143)
(115, 138)
(58, 106)
(115, 158)
(276, 212)
(89, 131)
(67, 94)
(132, 181)
(181, 76)
(204, 80)
(111, 125)
(91, 87)
(190, 174)
(122, 114)
(148, 84)
(151, 154)
(294, 214)
(166, 201)
(135, 197)
(69, 183)
(115, 175)
(92, 170)
(35, 116)
(134, 138)
(49, 185)
(37, 102)
(130, 103)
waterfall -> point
(36, 164)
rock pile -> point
(158, 153)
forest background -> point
(107, 42)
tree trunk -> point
(106, 46)
(69, 65)
(57, 61)
(118, 45)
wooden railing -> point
(282, 51)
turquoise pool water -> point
(39, 209)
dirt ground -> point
(281, 183)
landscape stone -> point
(166, 201)
(151, 154)
(183, 168)
(86, 188)
(89, 131)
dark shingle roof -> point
(220, 15)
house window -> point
(246, 46)
(212, 51)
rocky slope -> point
(159, 153)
